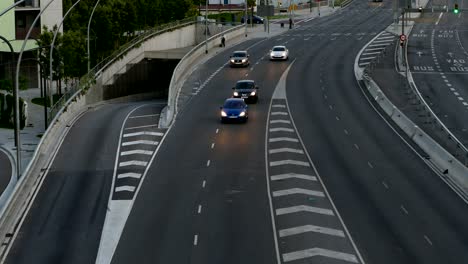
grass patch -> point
(280, 16)
(40, 100)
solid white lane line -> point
(370, 165)
(133, 163)
(281, 129)
(279, 105)
(199, 209)
(125, 189)
(208, 163)
(128, 128)
(311, 228)
(428, 240)
(283, 139)
(304, 208)
(195, 240)
(279, 113)
(289, 162)
(203, 184)
(280, 150)
(286, 176)
(312, 252)
(148, 133)
(129, 175)
(404, 209)
(137, 142)
(141, 116)
(132, 152)
(212, 145)
(280, 121)
(297, 191)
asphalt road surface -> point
(205, 197)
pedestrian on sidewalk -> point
(290, 23)
(223, 41)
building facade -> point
(14, 26)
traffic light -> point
(455, 9)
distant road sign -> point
(402, 37)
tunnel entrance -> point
(147, 76)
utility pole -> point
(206, 27)
(89, 25)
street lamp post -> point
(52, 48)
(11, 7)
(245, 18)
(18, 148)
(89, 25)
(206, 27)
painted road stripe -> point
(367, 58)
(289, 162)
(280, 150)
(128, 128)
(383, 41)
(159, 134)
(279, 129)
(283, 139)
(279, 113)
(304, 208)
(279, 105)
(387, 37)
(465, 103)
(141, 116)
(125, 189)
(286, 176)
(312, 252)
(297, 191)
(375, 49)
(371, 53)
(364, 64)
(132, 152)
(137, 142)
(311, 228)
(129, 175)
(378, 45)
(133, 163)
(280, 121)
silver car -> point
(239, 59)
(279, 53)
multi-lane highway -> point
(438, 59)
(315, 175)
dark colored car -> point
(256, 19)
(239, 58)
(234, 109)
(247, 90)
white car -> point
(279, 53)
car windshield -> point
(239, 54)
(279, 49)
(245, 85)
(234, 104)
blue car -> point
(234, 109)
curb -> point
(13, 178)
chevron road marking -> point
(297, 191)
(279, 105)
(286, 176)
(159, 134)
(283, 139)
(125, 189)
(129, 175)
(132, 152)
(312, 252)
(133, 163)
(280, 150)
(279, 129)
(137, 142)
(279, 113)
(310, 228)
(289, 162)
(304, 208)
(280, 121)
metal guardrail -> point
(424, 110)
(88, 79)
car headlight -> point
(236, 94)
(242, 114)
(223, 113)
(284, 53)
(252, 93)
(232, 60)
(244, 60)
